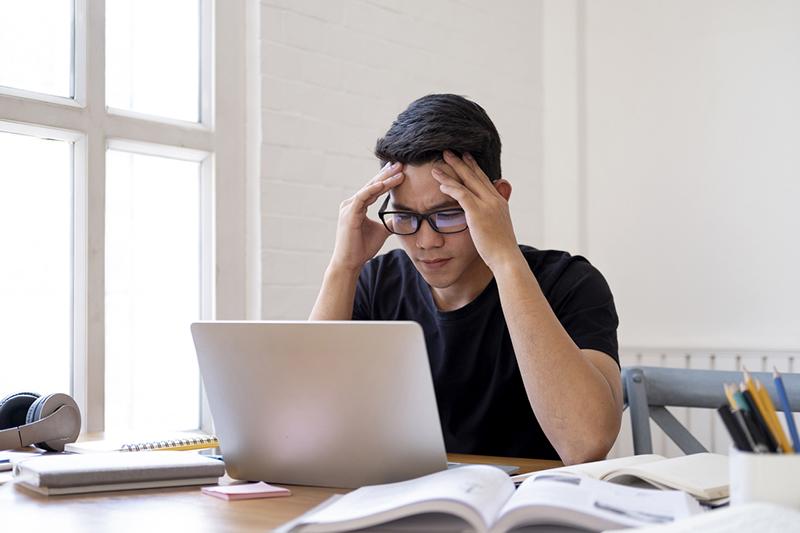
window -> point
(36, 46)
(154, 261)
(148, 43)
(36, 271)
(122, 206)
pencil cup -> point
(765, 477)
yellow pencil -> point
(748, 380)
(777, 428)
(758, 398)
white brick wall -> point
(335, 74)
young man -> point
(522, 342)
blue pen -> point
(787, 410)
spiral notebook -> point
(174, 442)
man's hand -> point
(358, 238)
(488, 216)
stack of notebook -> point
(79, 473)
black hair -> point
(439, 122)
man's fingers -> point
(455, 162)
(388, 170)
(476, 168)
(446, 169)
(368, 194)
(454, 188)
(447, 172)
(386, 173)
(465, 172)
(457, 192)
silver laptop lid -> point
(338, 404)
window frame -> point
(218, 141)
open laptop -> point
(336, 404)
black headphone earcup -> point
(14, 409)
(35, 409)
(47, 405)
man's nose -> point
(427, 237)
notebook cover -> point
(76, 470)
(83, 489)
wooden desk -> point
(177, 509)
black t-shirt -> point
(482, 402)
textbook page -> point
(597, 469)
(474, 493)
(761, 517)
(703, 475)
(561, 498)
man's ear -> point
(503, 187)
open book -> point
(703, 475)
(482, 498)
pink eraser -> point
(246, 491)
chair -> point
(649, 390)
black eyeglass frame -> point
(382, 212)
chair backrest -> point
(649, 390)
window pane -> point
(36, 45)
(36, 269)
(153, 57)
(152, 292)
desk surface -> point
(178, 509)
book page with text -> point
(562, 498)
(475, 493)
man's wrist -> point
(340, 271)
(510, 261)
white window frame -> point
(218, 142)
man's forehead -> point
(420, 190)
(420, 203)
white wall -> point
(682, 117)
(666, 132)
(335, 74)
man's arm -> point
(335, 298)
(576, 394)
(358, 239)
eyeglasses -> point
(450, 220)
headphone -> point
(48, 422)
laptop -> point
(333, 404)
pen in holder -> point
(765, 477)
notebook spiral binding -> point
(189, 442)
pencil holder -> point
(765, 477)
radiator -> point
(704, 424)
